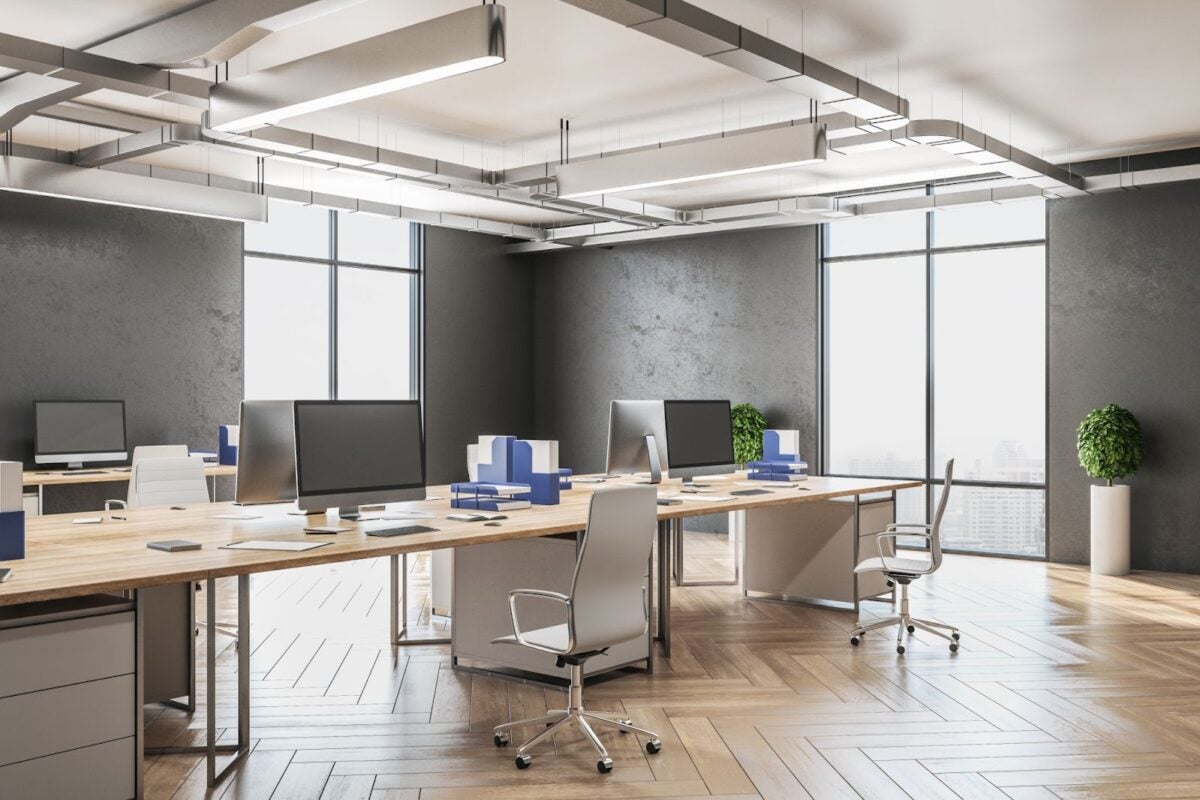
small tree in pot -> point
(1110, 446)
(748, 426)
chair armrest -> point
(109, 504)
(542, 594)
(879, 537)
(915, 525)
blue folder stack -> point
(781, 459)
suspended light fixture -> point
(698, 160)
(439, 48)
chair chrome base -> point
(907, 622)
(555, 721)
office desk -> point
(43, 478)
(65, 560)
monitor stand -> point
(652, 457)
(353, 514)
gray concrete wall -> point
(478, 347)
(106, 302)
(721, 316)
(1125, 328)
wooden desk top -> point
(64, 560)
(43, 477)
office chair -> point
(607, 606)
(903, 571)
(168, 481)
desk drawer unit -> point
(68, 700)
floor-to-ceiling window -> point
(332, 305)
(934, 347)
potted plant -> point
(1110, 446)
(748, 426)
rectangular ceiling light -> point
(453, 44)
(736, 154)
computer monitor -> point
(73, 432)
(266, 470)
(699, 438)
(358, 452)
(637, 438)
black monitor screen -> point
(355, 446)
(699, 433)
(79, 427)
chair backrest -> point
(608, 600)
(167, 481)
(935, 533)
(147, 451)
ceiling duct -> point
(31, 176)
(449, 45)
(736, 154)
(87, 71)
(698, 31)
(208, 34)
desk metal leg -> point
(857, 533)
(398, 619)
(41, 499)
(243, 679)
(665, 555)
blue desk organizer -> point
(227, 453)
(781, 458)
(12, 535)
(512, 469)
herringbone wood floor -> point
(1066, 686)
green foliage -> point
(1110, 443)
(748, 426)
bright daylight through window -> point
(959, 299)
(332, 306)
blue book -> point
(777, 466)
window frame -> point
(332, 264)
(933, 477)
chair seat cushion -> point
(901, 566)
(554, 638)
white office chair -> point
(607, 606)
(903, 571)
(144, 452)
(168, 481)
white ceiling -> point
(1063, 79)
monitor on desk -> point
(73, 432)
(266, 470)
(637, 438)
(358, 452)
(699, 438)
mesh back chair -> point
(902, 571)
(607, 606)
(168, 481)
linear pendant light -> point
(453, 44)
(736, 154)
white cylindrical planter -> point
(1110, 530)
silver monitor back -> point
(637, 438)
(358, 452)
(266, 470)
(699, 438)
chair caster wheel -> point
(501, 739)
(954, 636)
(900, 649)
(954, 647)
(911, 629)
(523, 762)
(854, 640)
(653, 746)
(604, 766)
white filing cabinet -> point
(30, 503)
(69, 699)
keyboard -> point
(403, 530)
